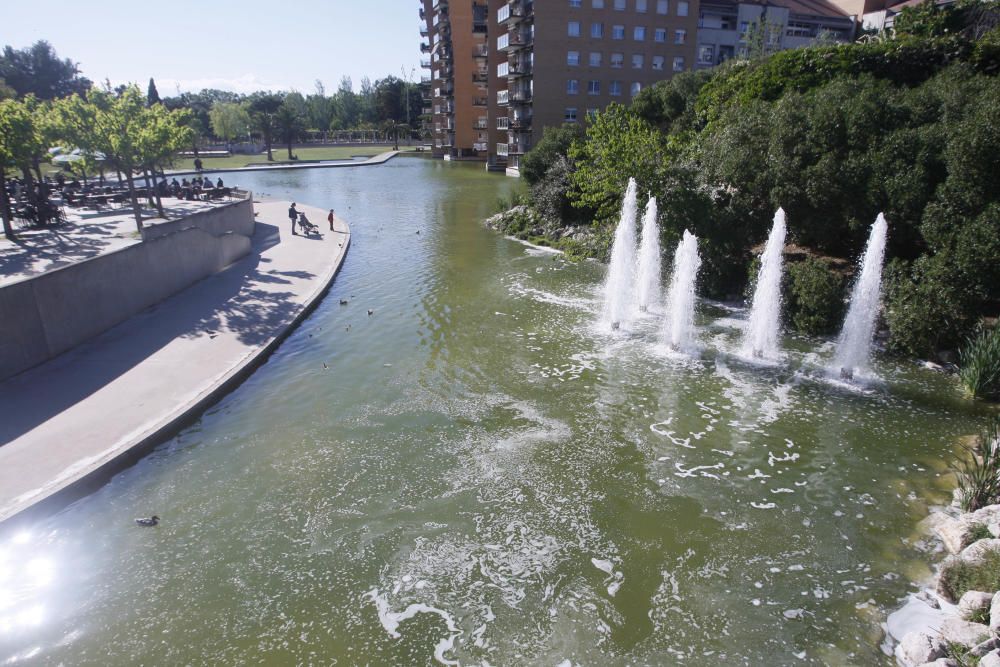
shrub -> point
(979, 473)
(979, 364)
(555, 143)
(816, 297)
(961, 576)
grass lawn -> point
(280, 154)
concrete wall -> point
(236, 217)
(55, 311)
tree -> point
(229, 120)
(38, 71)
(321, 110)
(289, 123)
(19, 141)
(130, 135)
(555, 143)
(346, 107)
(152, 95)
(263, 107)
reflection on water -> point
(480, 476)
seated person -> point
(218, 183)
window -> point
(572, 58)
(706, 54)
(575, 3)
(658, 63)
(662, 7)
(637, 61)
(639, 33)
(640, 6)
(598, 4)
(593, 87)
(597, 30)
(682, 8)
(617, 32)
(572, 86)
(680, 36)
(570, 115)
(636, 87)
(595, 59)
(615, 88)
(679, 64)
(660, 35)
(617, 60)
(744, 27)
(620, 5)
(573, 28)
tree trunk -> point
(154, 197)
(290, 157)
(135, 200)
(8, 228)
(267, 142)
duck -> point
(370, 312)
(325, 366)
(343, 302)
(148, 522)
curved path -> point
(72, 422)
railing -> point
(503, 122)
(502, 149)
(425, 63)
(503, 96)
(479, 146)
(520, 68)
(481, 124)
(520, 95)
(520, 122)
(502, 69)
(425, 47)
(423, 30)
(480, 101)
(480, 51)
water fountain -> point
(678, 327)
(648, 279)
(853, 346)
(618, 288)
(760, 338)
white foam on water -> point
(390, 620)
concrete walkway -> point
(381, 158)
(89, 411)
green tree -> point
(321, 109)
(263, 107)
(152, 94)
(290, 123)
(37, 70)
(555, 143)
(19, 142)
(229, 120)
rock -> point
(956, 532)
(965, 633)
(918, 648)
(975, 553)
(941, 662)
(991, 659)
(995, 615)
(981, 649)
(974, 602)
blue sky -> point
(240, 45)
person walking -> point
(329, 219)
(293, 215)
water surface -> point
(481, 477)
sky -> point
(238, 45)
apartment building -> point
(503, 70)
(725, 27)
(566, 59)
(457, 52)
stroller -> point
(307, 226)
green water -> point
(481, 477)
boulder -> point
(918, 648)
(973, 603)
(981, 649)
(964, 633)
(956, 532)
(995, 615)
(941, 662)
(991, 659)
(973, 556)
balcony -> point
(425, 63)
(519, 69)
(503, 96)
(423, 31)
(423, 15)
(516, 40)
(424, 78)
(520, 95)
(502, 149)
(517, 147)
(503, 122)
(439, 5)
(480, 101)
(520, 123)
(480, 51)
(480, 77)
(479, 146)
(425, 47)
(481, 123)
